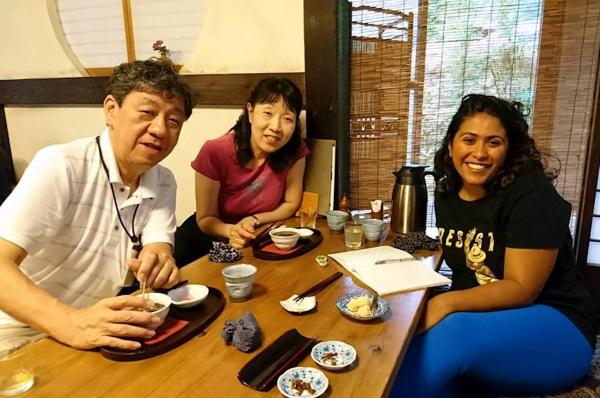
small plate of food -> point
(188, 295)
(358, 306)
(303, 305)
(333, 355)
(302, 382)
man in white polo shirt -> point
(73, 228)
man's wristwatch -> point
(256, 221)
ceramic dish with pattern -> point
(302, 382)
(333, 355)
(356, 305)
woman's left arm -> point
(525, 274)
(292, 195)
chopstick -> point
(319, 286)
(268, 228)
(144, 288)
(374, 303)
(175, 286)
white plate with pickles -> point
(333, 355)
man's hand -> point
(155, 264)
(105, 323)
(242, 233)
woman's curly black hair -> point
(522, 157)
(268, 91)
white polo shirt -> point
(62, 213)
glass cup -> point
(308, 217)
(16, 371)
(353, 234)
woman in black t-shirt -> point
(517, 319)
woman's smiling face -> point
(272, 127)
(478, 151)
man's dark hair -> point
(151, 75)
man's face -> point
(143, 129)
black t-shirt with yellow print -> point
(528, 214)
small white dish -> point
(313, 379)
(188, 295)
(333, 355)
(306, 304)
(305, 232)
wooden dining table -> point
(207, 366)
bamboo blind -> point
(412, 61)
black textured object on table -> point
(244, 333)
(414, 241)
(223, 253)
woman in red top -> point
(250, 176)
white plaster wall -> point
(29, 46)
(241, 36)
(237, 36)
(48, 127)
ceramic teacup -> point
(336, 219)
(239, 280)
(372, 228)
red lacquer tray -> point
(198, 317)
(304, 245)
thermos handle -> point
(435, 175)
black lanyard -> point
(135, 240)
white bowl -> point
(318, 382)
(188, 295)
(284, 238)
(162, 299)
(372, 225)
(372, 236)
(305, 232)
(336, 219)
(333, 355)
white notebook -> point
(390, 277)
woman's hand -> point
(109, 323)
(242, 233)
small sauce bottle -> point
(344, 204)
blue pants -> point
(529, 350)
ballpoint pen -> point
(393, 260)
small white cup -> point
(239, 280)
(372, 229)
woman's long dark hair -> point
(522, 156)
(268, 91)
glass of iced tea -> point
(353, 234)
